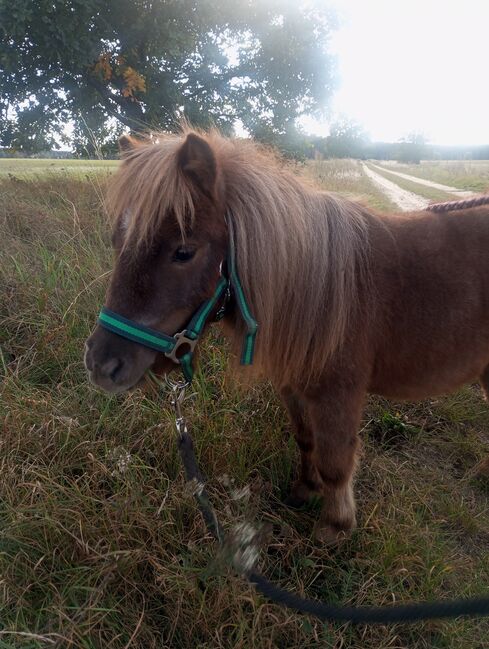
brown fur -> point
(349, 302)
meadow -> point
(101, 545)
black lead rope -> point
(478, 606)
(371, 614)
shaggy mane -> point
(301, 253)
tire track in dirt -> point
(428, 183)
(407, 201)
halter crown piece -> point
(187, 339)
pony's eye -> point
(183, 254)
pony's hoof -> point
(331, 535)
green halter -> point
(169, 345)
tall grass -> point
(100, 541)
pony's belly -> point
(421, 381)
(416, 392)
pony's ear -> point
(127, 143)
(198, 163)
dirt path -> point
(407, 201)
(428, 183)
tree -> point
(346, 139)
(411, 148)
(144, 63)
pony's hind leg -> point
(308, 483)
(335, 418)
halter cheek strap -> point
(251, 323)
(186, 340)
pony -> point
(348, 302)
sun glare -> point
(413, 65)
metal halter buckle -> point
(181, 339)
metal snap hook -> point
(177, 396)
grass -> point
(100, 541)
(463, 174)
(421, 190)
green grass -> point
(101, 545)
(463, 174)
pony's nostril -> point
(114, 369)
(110, 369)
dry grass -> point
(100, 542)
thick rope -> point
(458, 205)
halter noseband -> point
(189, 337)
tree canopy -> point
(101, 64)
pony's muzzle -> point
(115, 364)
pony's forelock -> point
(149, 187)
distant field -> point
(29, 166)
(101, 545)
(464, 174)
(434, 195)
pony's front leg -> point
(308, 484)
(335, 416)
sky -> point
(413, 65)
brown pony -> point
(348, 302)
